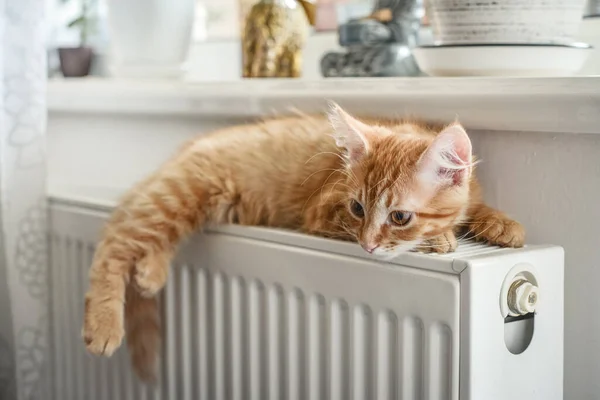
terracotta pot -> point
(75, 61)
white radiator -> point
(259, 314)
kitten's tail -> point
(143, 334)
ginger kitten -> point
(391, 186)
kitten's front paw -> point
(151, 274)
(499, 230)
(444, 243)
(103, 325)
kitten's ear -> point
(448, 161)
(349, 133)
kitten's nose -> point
(369, 247)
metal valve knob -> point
(523, 297)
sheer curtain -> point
(23, 255)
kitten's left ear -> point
(448, 161)
(349, 133)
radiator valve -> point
(522, 297)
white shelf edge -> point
(558, 105)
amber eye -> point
(357, 209)
(401, 218)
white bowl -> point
(502, 60)
(504, 21)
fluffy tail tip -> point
(143, 335)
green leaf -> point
(77, 21)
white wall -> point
(550, 182)
(96, 151)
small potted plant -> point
(76, 61)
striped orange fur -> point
(392, 186)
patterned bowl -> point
(504, 21)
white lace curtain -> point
(23, 255)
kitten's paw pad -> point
(151, 275)
(103, 326)
(444, 243)
(501, 232)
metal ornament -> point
(379, 44)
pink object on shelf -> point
(327, 19)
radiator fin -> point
(237, 295)
(339, 357)
(385, 371)
(439, 357)
(411, 353)
(219, 340)
(317, 336)
(201, 324)
(276, 343)
(361, 352)
(296, 352)
(256, 343)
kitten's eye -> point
(357, 209)
(401, 218)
